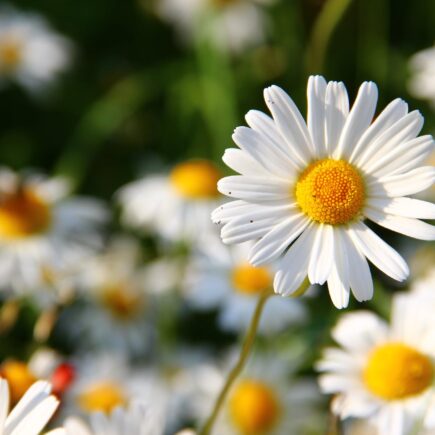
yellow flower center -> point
(10, 54)
(102, 396)
(251, 280)
(196, 179)
(23, 214)
(19, 378)
(122, 301)
(254, 407)
(330, 192)
(396, 371)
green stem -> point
(323, 28)
(235, 372)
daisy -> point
(306, 189)
(31, 53)
(422, 66)
(384, 373)
(176, 205)
(42, 231)
(31, 414)
(222, 279)
(234, 24)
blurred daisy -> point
(117, 312)
(263, 401)
(384, 373)
(31, 53)
(232, 24)
(306, 189)
(31, 414)
(176, 205)
(41, 231)
(223, 279)
(138, 419)
(422, 66)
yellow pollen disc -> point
(396, 371)
(19, 378)
(254, 407)
(23, 214)
(122, 302)
(330, 192)
(10, 54)
(103, 396)
(196, 179)
(251, 280)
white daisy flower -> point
(138, 419)
(384, 373)
(31, 53)
(232, 24)
(422, 66)
(176, 205)
(222, 278)
(305, 189)
(31, 414)
(43, 232)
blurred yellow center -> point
(23, 214)
(103, 396)
(330, 192)
(396, 371)
(122, 301)
(223, 3)
(19, 378)
(196, 179)
(254, 407)
(10, 54)
(251, 280)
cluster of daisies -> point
(306, 214)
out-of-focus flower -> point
(176, 205)
(231, 24)
(31, 414)
(138, 419)
(384, 373)
(31, 53)
(43, 232)
(263, 401)
(306, 189)
(422, 66)
(117, 288)
(222, 278)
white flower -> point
(31, 414)
(422, 66)
(41, 231)
(232, 24)
(384, 373)
(305, 190)
(30, 52)
(138, 419)
(176, 205)
(222, 278)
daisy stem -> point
(237, 369)
(323, 28)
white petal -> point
(406, 207)
(366, 145)
(254, 188)
(358, 120)
(241, 162)
(408, 226)
(316, 92)
(405, 184)
(275, 242)
(322, 255)
(241, 230)
(382, 255)
(4, 402)
(290, 123)
(292, 268)
(336, 112)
